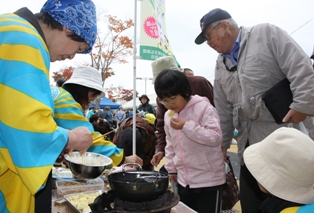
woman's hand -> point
(80, 139)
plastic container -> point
(79, 201)
(61, 173)
(65, 187)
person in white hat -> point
(70, 102)
(282, 164)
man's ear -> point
(221, 32)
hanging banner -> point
(154, 41)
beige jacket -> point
(267, 55)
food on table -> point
(87, 160)
(81, 200)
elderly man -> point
(251, 61)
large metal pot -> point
(138, 186)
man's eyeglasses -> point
(171, 101)
(207, 35)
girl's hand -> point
(172, 177)
(176, 123)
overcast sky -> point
(182, 26)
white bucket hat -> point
(283, 163)
(162, 63)
(86, 76)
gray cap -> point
(162, 63)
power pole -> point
(145, 79)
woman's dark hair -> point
(54, 25)
(80, 93)
(60, 82)
(93, 118)
(172, 82)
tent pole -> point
(134, 78)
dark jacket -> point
(101, 114)
(145, 140)
(147, 108)
(277, 205)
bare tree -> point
(112, 47)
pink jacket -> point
(194, 152)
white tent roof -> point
(129, 104)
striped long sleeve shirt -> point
(30, 140)
(69, 114)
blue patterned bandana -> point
(79, 16)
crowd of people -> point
(195, 121)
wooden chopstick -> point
(103, 135)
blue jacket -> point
(108, 116)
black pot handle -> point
(132, 164)
(147, 178)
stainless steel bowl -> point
(94, 167)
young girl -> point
(193, 154)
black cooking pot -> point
(137, 186)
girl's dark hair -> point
(172, 82)
(80, 93)
(54, 25)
